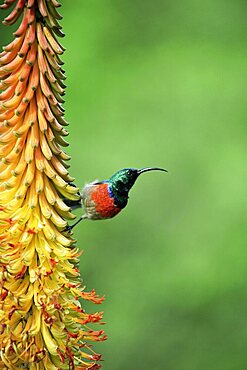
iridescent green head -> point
(122, 181)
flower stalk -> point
(42, 322)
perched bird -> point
(105, 199)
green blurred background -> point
(163, 83)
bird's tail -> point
(73, 204)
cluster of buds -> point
(42, 323)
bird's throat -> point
(120, 199)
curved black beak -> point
(146, 169)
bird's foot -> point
(70, 227)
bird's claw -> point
(68, 228)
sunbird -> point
(105, 199)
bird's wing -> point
(97, 182)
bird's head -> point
(123, 180)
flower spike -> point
(43, 325)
